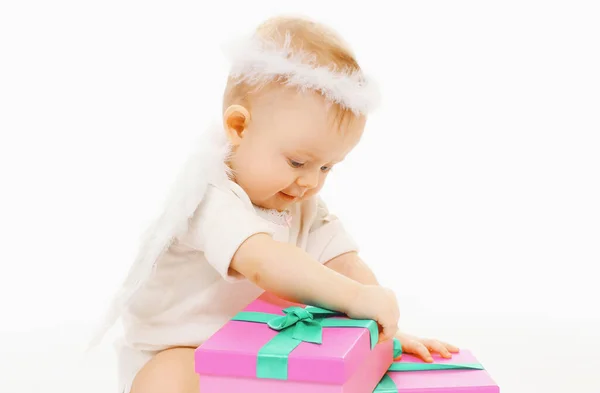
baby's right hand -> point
(377, 303)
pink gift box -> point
(343, 363)
(442, 381)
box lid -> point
(233, 350)
(447, 381)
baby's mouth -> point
(287, 196)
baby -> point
(246, 216)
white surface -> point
(487, 145)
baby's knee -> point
(171, 370)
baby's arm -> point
(237, 242)
(288, 271)
(352, 266)
(291, 273)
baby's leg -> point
(170, 371)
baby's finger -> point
(436, 346)
(450, 347)
(387, 333)
(418, 349)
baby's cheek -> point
(263, 169)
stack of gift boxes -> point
(277, 346)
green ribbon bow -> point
(297, 325)
(387, 384)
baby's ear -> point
(235, 121)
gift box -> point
(461, 374)
(278, 346)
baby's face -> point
(289, 146)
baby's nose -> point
(308, 181)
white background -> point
(474, 194)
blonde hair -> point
(325, 46)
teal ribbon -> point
(387, 384)
(397, 348)
(296, 326)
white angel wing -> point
(206, 164)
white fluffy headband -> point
(257, 61)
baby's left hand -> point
(423, 347)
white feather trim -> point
(207, 164)
(258, 61)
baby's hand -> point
(421, 347)
(377, 303)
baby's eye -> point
(295, 164)
(325, 168)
